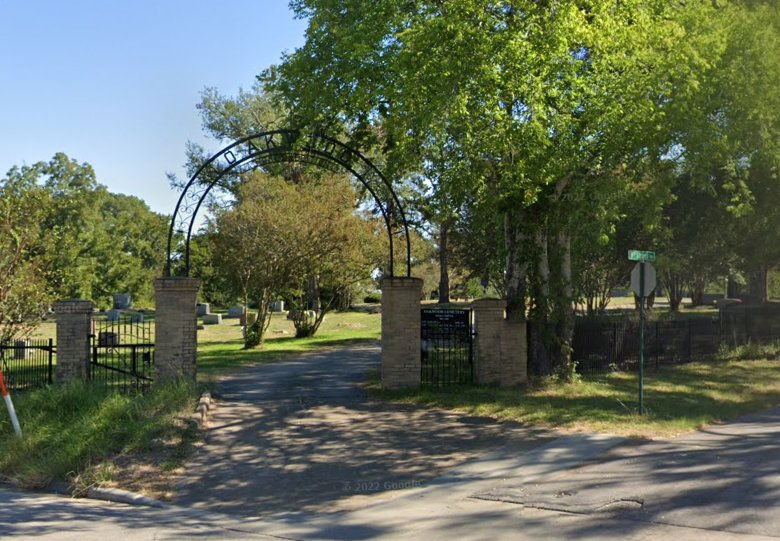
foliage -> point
(24, 293)
(525, 104)
(93, 243)
(303, 241)
(69, 429)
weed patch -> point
(74, 432)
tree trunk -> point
(516, 266)
(564, 311)
(674, 286)
(539, 355)
(313, 294)
(444, 277)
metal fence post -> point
(51, 361)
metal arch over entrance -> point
(279, 146)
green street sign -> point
(638, 255)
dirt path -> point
(302, 436)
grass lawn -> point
(220, 347)
(677, 398)
(88, 436)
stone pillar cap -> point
(489, 304)
(401, 281)
(73, 305)
(182, 283)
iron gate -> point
(27, 364)
(122, 353)
(447, 347)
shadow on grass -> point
(677, 398)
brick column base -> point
(176, 338)
(500, 349)
(74, 325)
(401, 332)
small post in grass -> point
(10, 405)
(642, 282)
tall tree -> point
(24, 292)
(539, 98)
(97, 243)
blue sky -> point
(115, 83)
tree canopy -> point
(550, 116)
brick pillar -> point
(500, 350)
(514, 354)
(176, 338)
(401, 332)
(74, 325)
(488, 325)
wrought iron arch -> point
(280, 146)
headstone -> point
(278, 306)
(113, 315)
(106, 338)
(122, 301)
(136, 317)
(203, 309)
(212, 319)
(235, 311)
(20, 351)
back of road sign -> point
(650, 279)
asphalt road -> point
(303, 436)
(289, 436)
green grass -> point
(69, 431)
(677, 399)
(220, 347)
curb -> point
(117, 495)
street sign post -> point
(639, 255)
(643, 282)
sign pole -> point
(642, 338)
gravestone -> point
(212, 319)
(278, 306)
(106, 338)
(113, 315)
(122, 301)
(20, 351)
(235, 311)
(136, 317)
(203, 309)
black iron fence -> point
(27, 364)
(122, 353)
(609, 344)
(447, 347)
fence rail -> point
(27, 364)
(601, 345)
